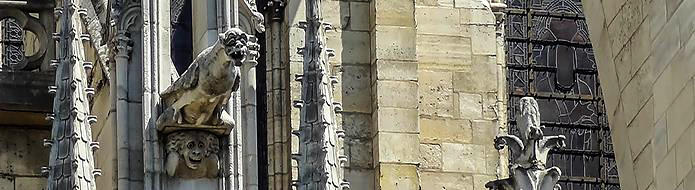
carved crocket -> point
(529, 153)
(199, 96)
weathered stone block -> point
(480, 77)
(397, 120)
(438, 21)
(350, 46)
(479, 181)
(483, 39)
(397, 94)
(29, 183)
(395, 70)
(397, 148)
(359, 153)
(662, 92)
(441, 51)
(641, 129)
(398, 177)
(436, 93)
(6, 184)
(660, 142)
(680, 115)
(644, 168)
(336, 12)
(359, 16)
(468, 158)
(356, 88)
(470, 106)
(394, 42)
(480, 17)
(360, 178)
(453, 131)
(475, 4)
(683, 151)
(457, 181)
(430, 156)
(357, 125)
(484, 131)
(665, 177)
(395, 12)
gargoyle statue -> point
(200, 95)
(529, 153)
(197, 150)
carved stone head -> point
(234, 41)
(529, 119)
(197, 150)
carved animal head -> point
(529, 119)
(193, 146)
(234, 41)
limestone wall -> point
(22, 155)
(461, 91)
(422, 86)
(350, 39)
(644, 50)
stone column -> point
(395, 90)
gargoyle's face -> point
(193, 146)
(235, 44)
(193, 153)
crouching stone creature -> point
(192, 154)
(200, 96)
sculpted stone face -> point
(235, 44)
(197, 150)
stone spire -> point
(320, 165)
(529, 151)
(71, 164)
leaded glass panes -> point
(549, 57)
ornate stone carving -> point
(198, 99)
(16, 22)
(192, 154)
(529, 153)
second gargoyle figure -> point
(200, 96)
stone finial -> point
(529, 153)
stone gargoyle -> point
(200, 95)
(192, 154)
(529, 153)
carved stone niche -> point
(198, 99)
(192, 154)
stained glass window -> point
(549, 57)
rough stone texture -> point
(458, 83)
(22, 157)
(644, 51)
(430, 156)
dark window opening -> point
(550, 57)
(181, 34)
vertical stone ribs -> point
(71, 164)
(319, 149)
